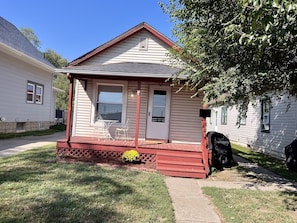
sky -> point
(72, 28)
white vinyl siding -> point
(128, 51)
(14, 76)
(185, 123)
(283, 124)
(83, 109)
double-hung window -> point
(110, 102)
(265, 116)
(224, 113)
(34, 93)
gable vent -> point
(143, 44)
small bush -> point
(130, 156)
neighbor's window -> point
(224, 115)
(110, 102)
(243, 120)
(265, 116)
(34, 93)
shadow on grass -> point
(56, 192)
(290, 200)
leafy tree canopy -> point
(30, 35)
(238, 49)
(55, 59)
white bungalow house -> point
(268, 127)
(126, 80)
(27, 99)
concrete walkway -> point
(189, 203)
(12, 146)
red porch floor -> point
(173, 159)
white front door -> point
(158, 112)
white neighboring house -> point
(268, 127)
(27, 99)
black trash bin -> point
(220, 146)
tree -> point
(30, 35)
(238, 49)
(55, 59)
(60, 81)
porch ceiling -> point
(126, 69)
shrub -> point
(130, 155)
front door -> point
(158, 113)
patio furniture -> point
(122, 132)
(103, 128)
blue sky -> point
(72, 28)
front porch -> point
(171, 159)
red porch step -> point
(181, 164)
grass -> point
(275, 165)
(53, 129)
(246, 206)
(36, 188)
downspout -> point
(69, 113)
(137, 114)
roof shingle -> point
(12, 37)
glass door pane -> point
(159, 106)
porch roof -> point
(125, 69)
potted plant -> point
(131, 156)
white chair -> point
(103, 129)
(122, 132)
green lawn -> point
(254, 206)
(53, 129)
(275, 165)
(36, 188)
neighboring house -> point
(268, 127)
(124, 80)
(26, 78)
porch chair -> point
(103, 131)
(122, 132)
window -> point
(224, 115)
(243, 120)
(110, 102)
(265, 116)
(34, 93)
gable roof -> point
(125, 35)
(13, 39)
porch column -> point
(137, 115)
(206, 155)
(69, 114)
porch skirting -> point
(172, 159)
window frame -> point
(34, 94)
(123, 84)
(265, 105)
(224, 115)
(37, 94)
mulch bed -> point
(141, 166)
